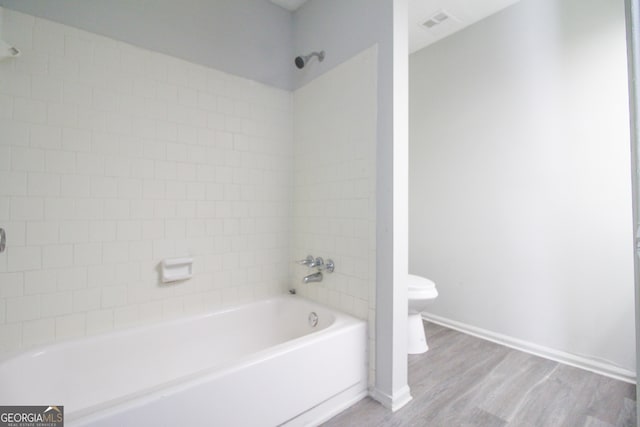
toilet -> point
(421, 292)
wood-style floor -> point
(467, 381)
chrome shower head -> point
(302, 60)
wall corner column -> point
(391, 383)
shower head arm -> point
(319, 55)
(301, 61)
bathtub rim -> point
(35, 350)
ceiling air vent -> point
(436, 19)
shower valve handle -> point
(329, 266)
(308, 261)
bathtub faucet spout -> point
(315, 277)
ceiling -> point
(458, 14)
(461, 14)
(290, 5)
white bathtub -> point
(260, 364)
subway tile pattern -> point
(335, 130)
(113, 158)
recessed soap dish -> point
(176, 269)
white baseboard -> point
(392, 402)
(581, 362)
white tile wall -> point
(334, 191)
(113, 157)
(334, 202)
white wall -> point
(520, 200)
(113, 158)
(248, 38)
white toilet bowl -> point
(420, 293)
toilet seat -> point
(421, 288)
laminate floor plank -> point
(367, 412)
(594, 422)
(546, 404)
(444, 399)
(627, 416)
(608, 398)
(456, 380)
(477, 417)
(509, 384)
(434, 328)
(470, 382)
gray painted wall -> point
(520, 199)
(248, 38)
(340, 28)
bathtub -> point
(260, 364)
